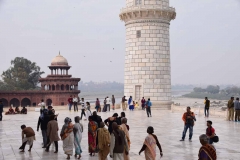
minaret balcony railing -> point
(146, 7)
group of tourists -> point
(111, 136)
(207, 151)
(75, 100)
(134, 105)
(16, 111)
(234, 109)
(113, 140)
(106, 104)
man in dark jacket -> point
(109, 121)
(43, 121)
(207, 105)
(118, 143)
(1, 110)
(113, 101)
(96, 118)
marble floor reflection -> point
(168, 127)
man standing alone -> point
(83, 109)
(124, 103)
(113, 101)
(149, 105)
(75, 102)
(108, 103)
(188, 118)
(237, 110)
(231, 109)
(1, 110)
(52, 133)
(207, 105)
(143, 103)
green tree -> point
(199, 89)
(22, 75)
(213, 89)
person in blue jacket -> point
(148, 107)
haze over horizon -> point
(204, 38)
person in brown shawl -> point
(124, 128)
(52, 133)
(207, 151)
(103, 140)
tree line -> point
(21, 75)
(214, 92)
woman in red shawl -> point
(92, 136)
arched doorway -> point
(67, 87)
(53, 87)
(25, 102)
(14, 102)
(49, 102)
(62, 87)
(57, 87)
(5, 102)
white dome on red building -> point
(59, 60)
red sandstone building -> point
(55, 88)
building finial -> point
(59, 52)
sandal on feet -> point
(22, 151)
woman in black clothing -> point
(108, 122)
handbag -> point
(215, 139)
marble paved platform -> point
(168, 127)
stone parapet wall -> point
(130, 3)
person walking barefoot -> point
(77, 130)
(149, 146)
(67, 137)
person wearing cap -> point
(149, 145)
(210, 132)
(103, 142)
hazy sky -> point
(205, 38)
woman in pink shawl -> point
(149, 146)
(124, 128)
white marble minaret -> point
(147, 59)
